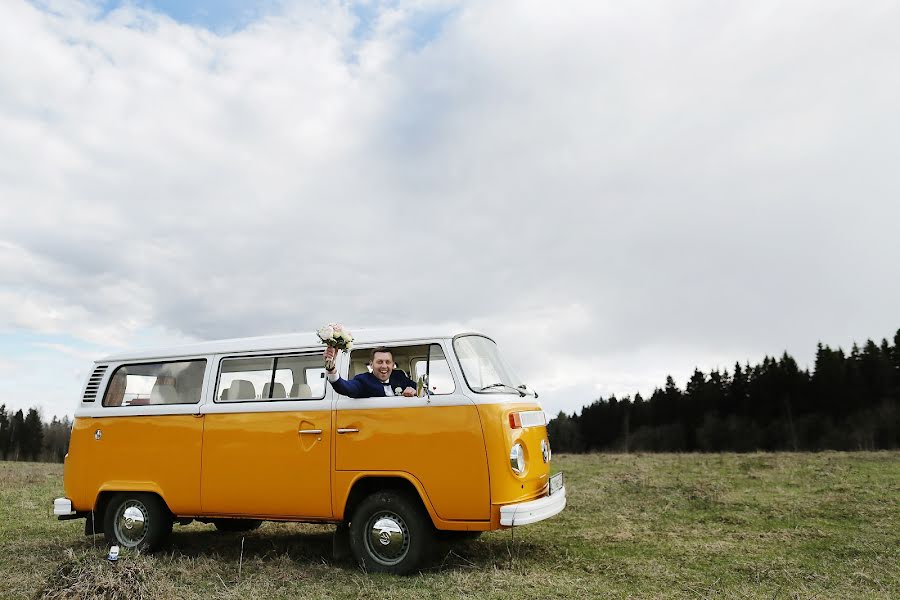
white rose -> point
(349, 345)
(325, 333)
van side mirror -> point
(422, 386)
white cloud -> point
(685, 183)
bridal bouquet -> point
(335, 336)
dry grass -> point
(83, 576)
(637, 526)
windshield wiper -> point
(527, 389)
(493, 385)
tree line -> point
(25, 436)
(848, 402)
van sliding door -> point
(266, 440)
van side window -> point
(441, 380)
(156, 383)
(413, 361)
(265, 378)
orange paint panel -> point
(499, 437)
(441, 446)
(259, 464)
(159, 452)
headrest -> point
(358, 367)
(163, 393)
(278, 391)
(241, 389)
(301, 390)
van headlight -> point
(517, 458)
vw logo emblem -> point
(384, 537)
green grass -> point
(637, 526)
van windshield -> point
(482, 366)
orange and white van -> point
(235, 432)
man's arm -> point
(352, 388)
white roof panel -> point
(286, 341)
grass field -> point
(643, 526)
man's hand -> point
(330, 355)
(409, 392)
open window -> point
(422, 361)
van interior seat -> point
(301, 390)
(190, 395)
(357, 367)
(277, 391)
(163, 393)
(241, 389)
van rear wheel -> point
(391, 533)
(137, 521)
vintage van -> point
(234, 432)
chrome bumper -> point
(62, 507)
(525, 513)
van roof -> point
(287, 341)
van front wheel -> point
(137, 520)
(390, 533)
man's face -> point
(382, 365)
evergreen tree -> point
(895, 353)
(4, 432)
(16, 431)
(563, 434)
(738, 396)
(32, 435)
(56, 439)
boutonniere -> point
(398, 391)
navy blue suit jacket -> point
(366, 385)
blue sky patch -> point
(224, 16)
(215, 15)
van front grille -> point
(90, 391)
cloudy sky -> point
(614, 190)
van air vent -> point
(90, 392)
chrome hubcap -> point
(388, 538)
(131, 523)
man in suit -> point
(382, 381)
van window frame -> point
(274, 356)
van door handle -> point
(313, 431)
(348, 430)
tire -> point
(236, 525)
(390, 532)
(137, 521)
